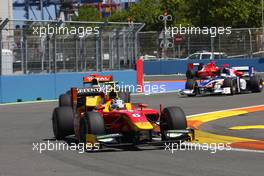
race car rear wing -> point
(246, 70)
(95, 78)
(78, 95)
(192, 66)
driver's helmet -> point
(225, 72)
(117, 104)
(112, 94)
(95, 82)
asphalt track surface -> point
(22, 125)
(221, 126)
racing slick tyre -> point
(190, 74)
(230, 82)
(256, 84)
(124, 95)
(91, 123)
(65, 100)
(172, 118)
(62, 122)
(191, 84)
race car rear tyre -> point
(124, 95)
(232, 83)
(65, 100)
(91, 123)
(172, 118)
(256, 84)
(62, 122)
(191, 84)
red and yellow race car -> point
(98, 118)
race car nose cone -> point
(143, 126)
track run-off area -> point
(21, 125)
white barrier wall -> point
(7, 62)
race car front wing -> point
(113, 140)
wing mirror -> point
(141, 105)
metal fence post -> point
(117, 50)
(157, 44)
(48, 54)
(64, 59)
(250, 43)
(54, 54)
(128, 39)
(244, 43)
(111, 53)
(24, 53)
(124, 42)
(135, 37)
(188, 45)
(219, 43)
(76, 54)
(101, 44)
(134, 54)
(26, 56)
(1, 52)
(98, 45)
(2, 25)
(212, 44)
(81, 44)
(42, 53)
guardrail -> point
(50, 86)
(166, 67)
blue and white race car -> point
(211, 79)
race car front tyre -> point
(172, 118)
(256, 84)
(190, 74)
(191, 85)
(91, 123)
(62, 122)
(232, 83)
(65, 100)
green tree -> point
(148, 12)
(145, 11)
(178, 9)
(234, 13)
(87, 14)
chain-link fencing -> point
(70, 46)
(73, 46)
(245, 43)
